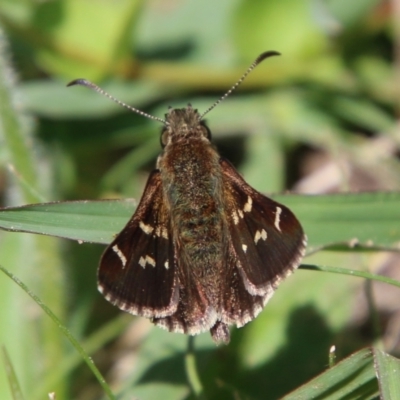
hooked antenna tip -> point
(265, 55)
(81, 82)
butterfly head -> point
(183, 124)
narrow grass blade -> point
(66, 333)
(12, 377)
(352, 378)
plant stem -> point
(191, 370)
(352, 272)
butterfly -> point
(203, 250)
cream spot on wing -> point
(151, 261)
(120, 255)
(147, 229)
(278, 218)
(235, 217)
(240, 212)
(264, 234)
(143, 261)
(248, 206)
(166, 265)
(244, 247)
(260, 235)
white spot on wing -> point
(248, 206)
(240, 212)
(260, 235)
(244, 247)
(147, 229)
(120, 254)
(143, 261)
(151, 261)
(278, 218)
(166, 265)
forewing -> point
(137, 270)
(267, 239)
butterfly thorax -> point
(192, 185)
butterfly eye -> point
(164, 137)
(205, 131)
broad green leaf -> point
(286, 25)
(367, 219)
(158, 391)
(344, 220)
(265, 150)
(362, 113)
(350, 13)
(72, 47)
(352, 378)
(122, 170)
(87, 221)
(54, 100)
(299, 320)
(388, 373)
(161, 364)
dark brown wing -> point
(137, 270)
(267, 244)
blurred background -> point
(321, 118)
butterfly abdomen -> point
(191, 188)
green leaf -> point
(342, 220)
(367, 219)
(87, 221)
(54, 100)
(363, 113)
(350, 13)
(352, 378)
(287, 25)
(388, 372)
(70, 48)
(265, 150)
(352, 272)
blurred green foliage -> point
(327, 104)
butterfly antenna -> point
(85, 82)
(257, 61)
